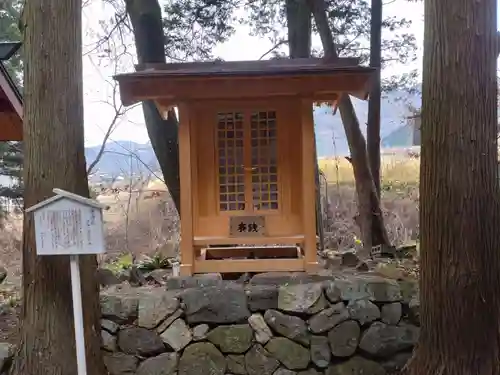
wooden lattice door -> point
(247, 151)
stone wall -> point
(281, 324)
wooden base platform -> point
(240, 259)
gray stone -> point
(200, 332)
(140, 341)
(234, 339)
(350, 259)
(3, 274)
(120, 364)
(156, 307)
(320, 351)
(177, 336)
(373, 288)
(281, 278)
(289, 326)
(202, 358)
(109, 326)
(262, 332)
(158, 276)
(292, 355)
(119, 307)
(382, 340)
(284, 371)
(167, 322)
(363, 311)
(258, 361)
(344, 338)
(409, 290)
(196, 281)
(236, 364)
(391, 313)
(262, 297)
(6, 353)
(224, 304)
(356, 365)
(108, 341)
(106, 277)
(396, 363)
(328, 318)
(299, 298)
(414, 310)
(332, 291)
(164, 364)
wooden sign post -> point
(71, 225)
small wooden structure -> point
(246, 144)
(11, 107)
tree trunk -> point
(459, 210)
(54, 157)
(373, 125)
(370, 215)
(149, 41)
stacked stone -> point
(278, 324)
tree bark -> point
(370, 215)
(459, 210)
(146, 19)
(54, 157)
(373, 123)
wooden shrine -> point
(246, 145)
(11, 104)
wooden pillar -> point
(308, 186)
(185, 172)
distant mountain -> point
(127, 157)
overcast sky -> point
(242, 46)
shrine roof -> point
(260, 78)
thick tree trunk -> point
(54, 157)
(370, 215)
(459, 210)
(373, 125)
(163, 134)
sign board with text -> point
(247, 226)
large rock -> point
(320, 351)
(140, 341)
(224, 304)
(344, 338)
(167, 322)
(178, 335)
(164, 364)
(285, 278)
(6, 353)
(156, 307)
(200, 332)
(356, 365)
(289, 353)
(332, 291)
(119, 307)
(328, 318)
(236, 364)
(262, 331)
(262, 297)
(391, 313)
(120, 364)
(108, 341)
(301, 298)
(234, 339)
(289, 326)
(258, 361)
(363, 311)
(202, 358)
(382, 340)
(414, 310)
(109, 326)
(196, 281)
(373, 288)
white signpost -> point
(71, 225)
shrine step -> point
(249, 252)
